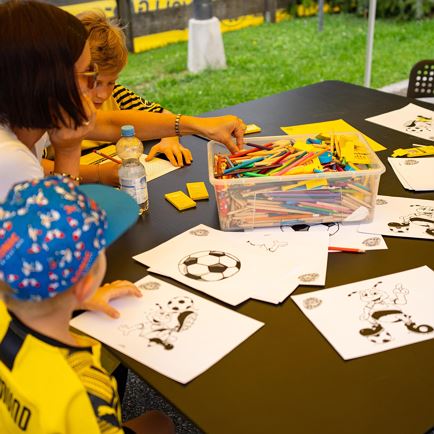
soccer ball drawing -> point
(209, 265)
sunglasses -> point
(92, 75)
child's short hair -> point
(106, 39)
(52, 232)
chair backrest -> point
(421, 81)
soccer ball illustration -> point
(209, 265)
(180, 304)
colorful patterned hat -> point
(52, 231)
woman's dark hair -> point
(39, 45)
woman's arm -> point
(156, 125)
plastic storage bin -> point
(247, 203)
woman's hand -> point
(110, 291)
(67, 137)
(66, 141)
(174, 151)
(222, 129)
(108, 173)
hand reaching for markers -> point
(222, 129)
(110, 291)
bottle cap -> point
(127, 131)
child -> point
(109, 51)
(52, 259)
(46, 76)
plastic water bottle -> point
(132, 175)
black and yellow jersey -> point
(126, 99)
(48, 387)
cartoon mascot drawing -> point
(382, 310)
(164, 323)
(422, 216)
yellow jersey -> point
(48, 387)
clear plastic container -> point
(247, 203)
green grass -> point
(273, 58)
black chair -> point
(421, 82)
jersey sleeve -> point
(128, 100)
(99, 400)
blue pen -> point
(243, 164)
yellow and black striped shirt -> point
(128, 100)
(48, 387)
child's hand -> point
(173, 150)
(110, 291)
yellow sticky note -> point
(300, 146)
(180, 200)
(252, 128)
(197, 190)
(337, 125)
(316, 183)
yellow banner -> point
(156, 40)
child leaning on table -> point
(52, 259)
(109, 51)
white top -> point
(17, 161)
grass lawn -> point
(272, 58)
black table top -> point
(287, 378)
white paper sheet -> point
(414, 173)
(402, 217)
(170, 330)
(411, 119)
(260, 266)
(344, 235)
(156, 167)
(374, 315)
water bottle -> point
(132, 175)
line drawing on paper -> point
(149, 286)
(421, 216)
(372, 241)
(382, 309)
(162, 324)
(332, 228)
(268, 245)
(209, 265)
(418, 125)
(200, 232)
(308, 277)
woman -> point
(46, 75)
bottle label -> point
(136, 188)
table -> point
(287, 378)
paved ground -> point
(139, 397)
(399, 88)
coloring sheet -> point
(411, 119)
(154, 169)
(236, 266)
(374, 315)
(344, 235)
(176, 333)
(402, 217)
(414, 173)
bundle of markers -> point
(288, 181)
(286, 157)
